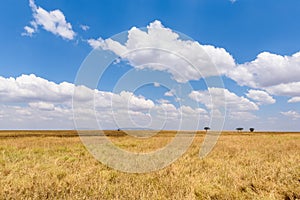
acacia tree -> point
(239, 129)
(206, 128)
(251, 129)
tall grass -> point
(241, 166)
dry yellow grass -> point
(241, 166)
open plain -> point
(56, 165)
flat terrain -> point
(56, 165)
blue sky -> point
(258, 62)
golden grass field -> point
(56, 165)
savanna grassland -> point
(56, 165)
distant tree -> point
(239, 129)
(206, 128)
(119, 129)
(251, 129)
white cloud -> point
(135, 103)
(52, 21)
(156, 84)
(170, 93)
(31, 88)
(29, 99)
(291, 113)
(187, 110)
(285, 89)
(84, 27)
(235, 105)
(26, 117)
(233, 102)
(160, 48)
(31, 102)
(242, 116)
(95, 43)
(261, 97)
(42, 105)
(276, 74)
(294, 100)
(162, 101)
(28, 31)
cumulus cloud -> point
(41, 93)
(242, 116)
(261, 97)
(187, 110)
(276, 74)
(52, 21)
(233, 102)
(135, 103)
(285, 89)
(95, 43)
(294, 100)
(160, 48)
(291, 113)
(32, 88)
(42, 105)
(284, 69)
(235, 105)
(27, 117)
(29, 98)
